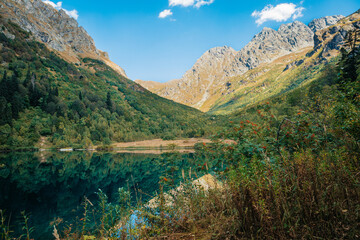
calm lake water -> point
(50, 186)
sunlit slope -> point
(267, 80)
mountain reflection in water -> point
(50, 186)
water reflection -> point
(51, 185)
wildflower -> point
(255, 132)
(165, 179)
(263, 147)
(299, 113)
(267, 103)
(247, 121)
(272, 116)
(231, 122)
(204, 144)
(242, 122)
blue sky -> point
(160, 49)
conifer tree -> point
(109, 103)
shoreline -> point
(159, 145)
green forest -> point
(80, 105)
(290, 171)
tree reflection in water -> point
(51, 185)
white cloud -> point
(73, 13)
(165, 13)
(58, 6)
(203, 2)
(280, 13)
(184, 3)
(190, 3)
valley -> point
(88, 153)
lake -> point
(51, 186)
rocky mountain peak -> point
(216, 65)
(54, 28)
(200, 86)
(265, 33)
(220, 51)
(270, 44)
(324, 22)
(211, 63)
(329, 40)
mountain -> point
(56, 29)
(289, 72)
(321, 23)
(328, 41)
(48, 100)
(205, 82)
(209, 71)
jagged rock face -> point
(269, 45)
(328, 41)
(324, 22)
(208, 71)
(212, 69)
(212, 63)
(55, 28)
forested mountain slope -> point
(78, 105)
(56, 29)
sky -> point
(159, 40)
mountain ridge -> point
(56, 29)
(197, 86)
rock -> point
(215, 66)
(205, 82)
(7, 33)
(269, 45)
(54, 28)
(329, 40)
(205, 183)
(324, 22)
(295, 63)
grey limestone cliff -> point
(55, 28)
(324, 22)
(216, 65)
